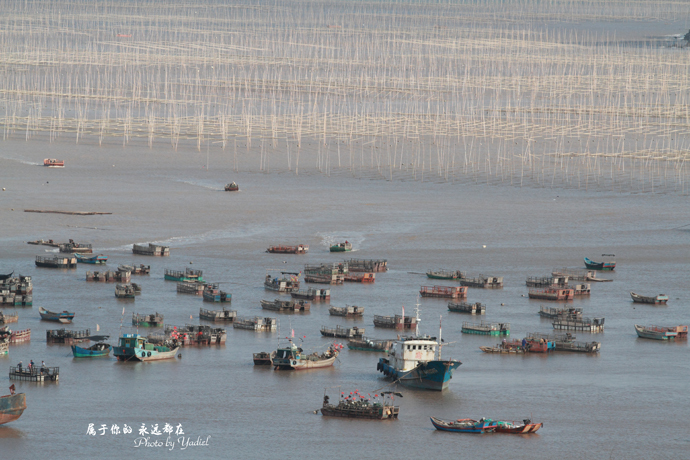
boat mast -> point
(416, 312)
(440, 342)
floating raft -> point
(367, 265)
(66, 336)
(109, 276)
(365, 278)
(326, 273)
(18, 285)
(187, 275)
(152, 320)
(280, 249)
(217, 315)
(150, 250)
(442, 274)
(56, 262)
(257, 323)
(555, 281)
(35, 374)
(366, 344)
(567, 312)
(15, 300)
(72, 248)
(342, 332)
(347, 311)
(486, 282)
(71, 213)
(213, 294)
(485, 328)
(395, 322)
(552, 294)
(315, 295)
(464, 307)
(134, 269)
(127, 291)
(195, 335)
(452, 292)
(286, 306)
(191, 287)
(6, 318)
(584, 324)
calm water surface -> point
(629, 400)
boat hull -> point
(79, 352)
(522, 429)
(603, 266)
(12, 407)
(140, 354)
(658, 300)
(433, 375)
(63, 317)
(645, 333)
(477, 428)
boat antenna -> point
(440, 341)
(416, 312)
(122, 320)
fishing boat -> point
(358, 406)
(262, 358)
(257, 324)
(134, 269)
(125, 291)
(484, 328)
(506, 347)
(364, 278)
(608, 265)
(553, 313)
(366, 344)
(660, 299)
(342, 332)
(464, 425)
(151, 250)
(12, 407)
(444, 274)
(68, 337)
(342, 247)
(347, 311)
(547, 281)
(217, 315)
(44, 243)
(481, 281)
(655, 332)
(187, 275)
(464, 307)
(288, 283)
(293, 358)
(62, 317)
(94, 351)
(96, 259)
(53, 163)
(152, 320)
(579, 324)
(395, 322)
(451, 292)
(232, 187)
(367, 265)
(281, 249)
(412, 361)
(75, 248)
(512, 427)
(56, 262)
(326, 273)
(552, 294)
(137, 348)
(286, 306)
(315, 295)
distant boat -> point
(342, 247)
(356, 406)
(365, 344)
(444, 274)
(62, 317)
(280, 249)
(605, 266)
(232, 187)
(655, 332)
(136, 347)
(284, 284)
(12, 407)
(660, 299)
(294, 358)
(53, 163)
(464, 425)
(99, 349)
(152, 320)
(96, 259)
(262, 358)
(524, 427)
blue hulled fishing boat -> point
(608, 265)
(137, 348)
(413, 362)
(99, 349)
(465, 425)
(96, 259)
(62, 317)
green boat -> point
(444, 274)
(154, 320)
(100, 349)
(484, 328)
(187, 275)
(342, 247)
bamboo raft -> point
(464, 307)
(67, 337)
(342, 332)
(257, 323)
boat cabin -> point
(406, 354)
(132, 341)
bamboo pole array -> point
(466, 92)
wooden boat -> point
(484, 328)
(137, 348)
(367, 265)
(365, 344)
(347, 311)
(580, 347)
(609, 265)
(217, 315)
(56, 262)
(342, 332)
(44, 243)
(257, 324)
(365, 278)
(553, 313)
(342, 247)
(581, 324)
(4, 277)
(660, 299)
(150, 250)
(288, 283)
(263, 358)
(96, 259)
(232, 187)
(67, 336)
(94, 351)
(294, 358)
(286, 306)
(75, 248)
(125, 291)
(312, 294)
(152, 320)
(187, 275)
(444, 274)
(512, 427)
(552, 294)
(357, 406)
(280, 249)
(53, 163)
(452, 292)
(464, 425)
(655, 332)
(485, 282)
(12, 407)
(62, 317)
(464, 307)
